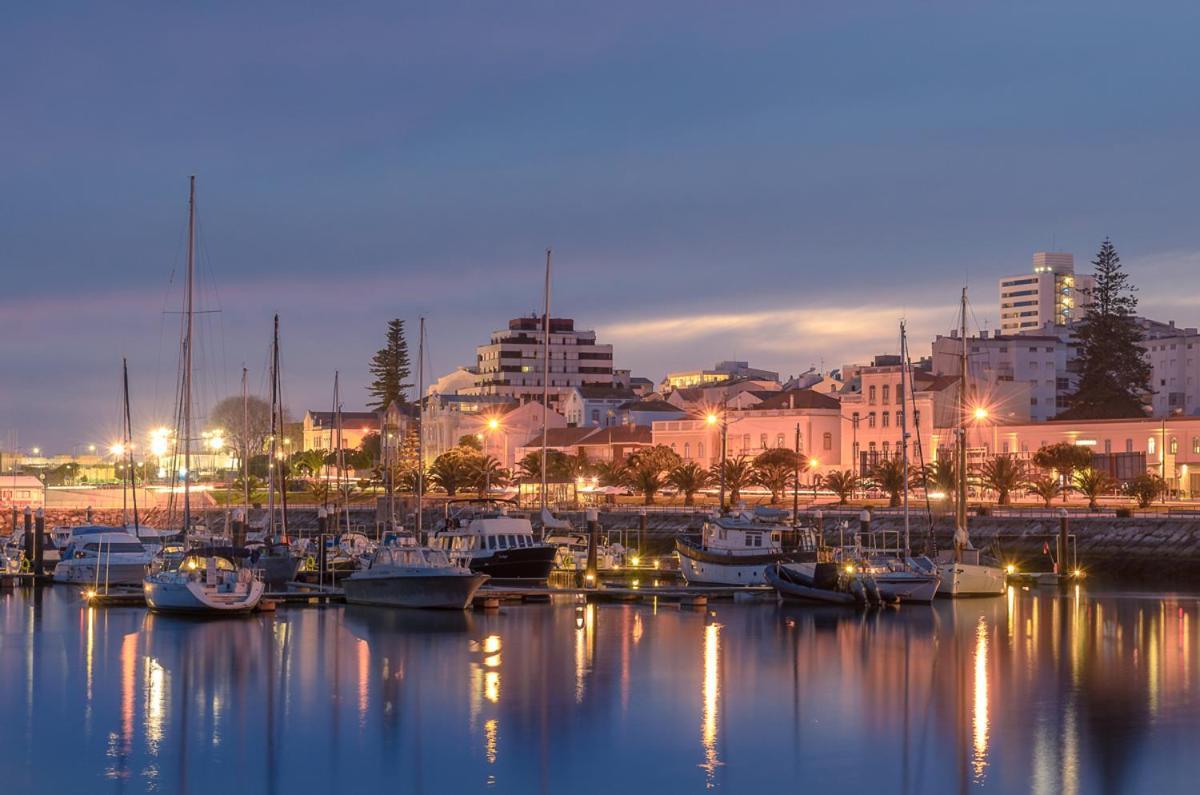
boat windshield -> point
(200, 563)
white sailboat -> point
(964, 571)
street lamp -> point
(712, 419)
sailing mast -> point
(545, 376)
(905, 386)
(960, 512)
(272, 459)
(341, 453)
(128, 444)
(186, 385)
(277, 411)
(245, 452)
(420, 424)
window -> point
(1174, 446)
(854, 419)
(1107, 446)
(887, 393)
(687, 451)
(1150, 446)
(886, 448)
(779, 440)
(745, 442)
(899, 419)
(595, 416)
(762, 441)
(885, 419)
(1196, 444)
(1005, 447)
(827, 441)
(871, 419)
(1129, 445)
(871, 394)
(699, 449)
(900, 392)
(503, 540)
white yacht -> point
(482, 536)
(736, 550)
(204, 584)
(406, 575)
(103, 555)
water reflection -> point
(1028, 692)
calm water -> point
(1080, 694)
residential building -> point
(1052, 293)
(646, 412)
(595, 406)
(512, 363)
(319, 430)
(20, 491)
(1174, 357)
(598, 444)
(723, 371)
(1038, 359)
(501, 423)
(768, 423)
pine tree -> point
(1113, 373)
(390, 367)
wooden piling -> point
(39, 541)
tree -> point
(1091, 483)
(739, 473)
(391, 369)
(1065, 459)
(530, 466)
(309, 462)
(247, 432)
(842, 483)
(1113, 373)
(321, 491)
(611, 473)
(1003, 474)
(452, 470)
(688, 479)
(370, 446)
(888, 475)
(1146, 488)
(471, 441)
(486, 471)
(776, 470)
(646, 478)
(941, 475)
(1045, 486)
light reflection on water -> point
(1028, 692)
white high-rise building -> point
(1053, 293)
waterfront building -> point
(1052, 293)
(319, 429)
(769, 422)
(646, 412)
(595, 406)
(735, 394)
(1038, 359)
(501, 424)
(19, 491)
(511, 364)
(614, 442)
(1174, 356)
(723, 371)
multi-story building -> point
(1053, 293)
(595, 406)
(320, 429)
(512, 364)
(1038, 359)
(499, 422)
(723, 371)
(1174, 356)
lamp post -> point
(712, 420)
(816, 478)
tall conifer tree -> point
(1113, 372)
(391, 369)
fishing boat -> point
(404, 575)
(98, 555)
(207, 583)
(964, 570)
(737, 549)
(573, 546)
(481, 535)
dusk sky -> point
(778, 182)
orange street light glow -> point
(712, 419)
(981, 413)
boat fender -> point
(858, 591)
(872, 588)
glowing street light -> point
(711, 419)
(493, 424)
(981, 413)
(117, 449)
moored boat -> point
(207, 583)
(485, 538)
(736, 550)
(102, 555)
(820, 582)
(413, 576)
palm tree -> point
(611, 473)
(451, 471)
(776, 469)
(1065, 459)
(646, 478)
(689, 478)
(1091, 483)
(486, 471)
(842, 484)
(941, 476)
(1003, 474)
(1045, 486)
(1146, 488)
(739, 473)
(557, 466)
(309, 462)
(888, 475)
(320, 491)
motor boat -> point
(404, 575)
(99, 555)
(484, 537)
(736, 550)
(968, 573)
(822, 583)
(206, 583)
(275, 561)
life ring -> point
(25, 567)
(310, 563)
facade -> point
(723, 371)
(511, 364)
(595, 406)
(21, 490)
(767, 424)
(646, 412)
(501, 423)
(1174, 356)
(598, 444)
(1038, 359)
(319, 430)
(1052, 293)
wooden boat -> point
(794, 584)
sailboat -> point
(208, 582)
(964, 571)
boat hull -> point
(436, 591)
(793, 591)
(522, 563)
(84, 572)
(706, 567)
(970, 579)
(907, 587)
(194, 599)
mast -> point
(128, 442)
(905, 385)
(277, 411)
(271, 453)
(245, 452)
(960, 508)
(545, 376)
(341, 453)
(420, 425)
(187, 359)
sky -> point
(780, 182)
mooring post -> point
(88, 515)
(238, 529)
(819, 524)
(27, 547)
(1060, 565)
(322, 526)
(641, 530)
(864, 524)
(593, 525)
(39, 541)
